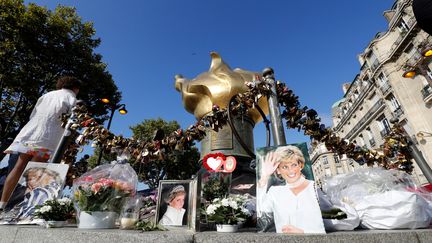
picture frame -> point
(287, 199)
(38, 183)
(170, 211)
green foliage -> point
(215, 187)
(176, 166)
(149, 226)
(334, 213)
(37, 46)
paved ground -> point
(35, 234)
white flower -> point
(64, 201)
(211, 209)
(45, 209)
(233, 204)
(225, 202)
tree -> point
(179, 165)
(37, 46)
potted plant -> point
(227, 212)
(55, 212)
(99, 201)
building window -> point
(361, 140)
(370, 137)
(429, 72)
(402, 26)
(394, 102)
(384, 125)
(373, 61)
(382, 79)
(337, 160)
(325, 160)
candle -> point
(127, 223)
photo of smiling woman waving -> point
(294, 204)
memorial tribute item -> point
(383, 199)
(228, 212)
(175, 203)
(283, 190)
(55, 212)
(100, 194)
(38, 183)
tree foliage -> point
(177, 166)
(37, 46)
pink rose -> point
(106, 182)
(96, 187)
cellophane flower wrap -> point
(105, 188)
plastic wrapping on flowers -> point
(353, 187)
(106, 188)
(382, 199)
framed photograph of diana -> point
(286, 194)
(175, 202)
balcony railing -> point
(427, 93)
(372, 142)
(374, 65)
(385, 87)
(398, 112)
(384, 132)
(402, 39)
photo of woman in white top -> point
(175, 212)
(294, 204)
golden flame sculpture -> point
(216, 87)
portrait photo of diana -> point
(173, 203)
(284, 196)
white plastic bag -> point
(394, 210)
(383, 199)
(351, 222)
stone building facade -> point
(379, 92)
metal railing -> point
(374, 65)
(384, 132)
(426, 92)
(385, 87)
(398, 112)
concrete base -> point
(34, 234)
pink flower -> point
(88, 178)
(106, 182)
(96, 187)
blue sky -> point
(311, 45)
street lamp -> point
(122, 110)
(419, 67)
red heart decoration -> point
(215, 162)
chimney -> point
(345, 87)
(389, 14)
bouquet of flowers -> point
(55, 210)
(228, 210)
(102, 195)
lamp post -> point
(122, 110)
(419, 67)
(275, 115)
